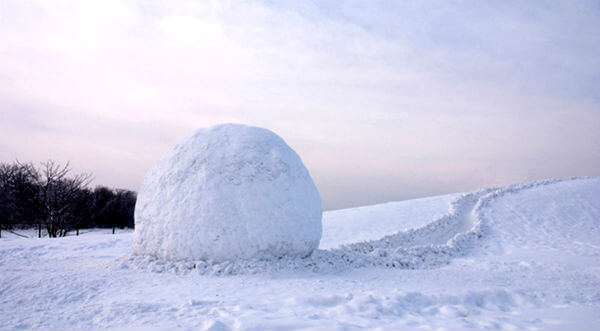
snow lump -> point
(225, 193)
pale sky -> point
(383, 100)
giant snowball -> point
(228, 192)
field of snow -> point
(526, 256)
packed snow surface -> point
(520, 257)
(347, 226)
(225, 193)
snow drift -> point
(225, 193)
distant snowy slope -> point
(548, 221)
(346, 226)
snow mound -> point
(226, 193)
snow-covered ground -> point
(521, 257)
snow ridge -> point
(452, 235)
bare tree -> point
(57, 197)
(18, 193)
(50, 195)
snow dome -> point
(228, 192)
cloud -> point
(382, 100)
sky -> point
(382, 100)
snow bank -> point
(225, 193)
(348, 226)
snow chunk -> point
(225, 193)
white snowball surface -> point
(224, 193)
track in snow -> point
(452, 235)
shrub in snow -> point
(224, 193)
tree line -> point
(58, 200)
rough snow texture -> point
(529, 259)
(227, 193)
